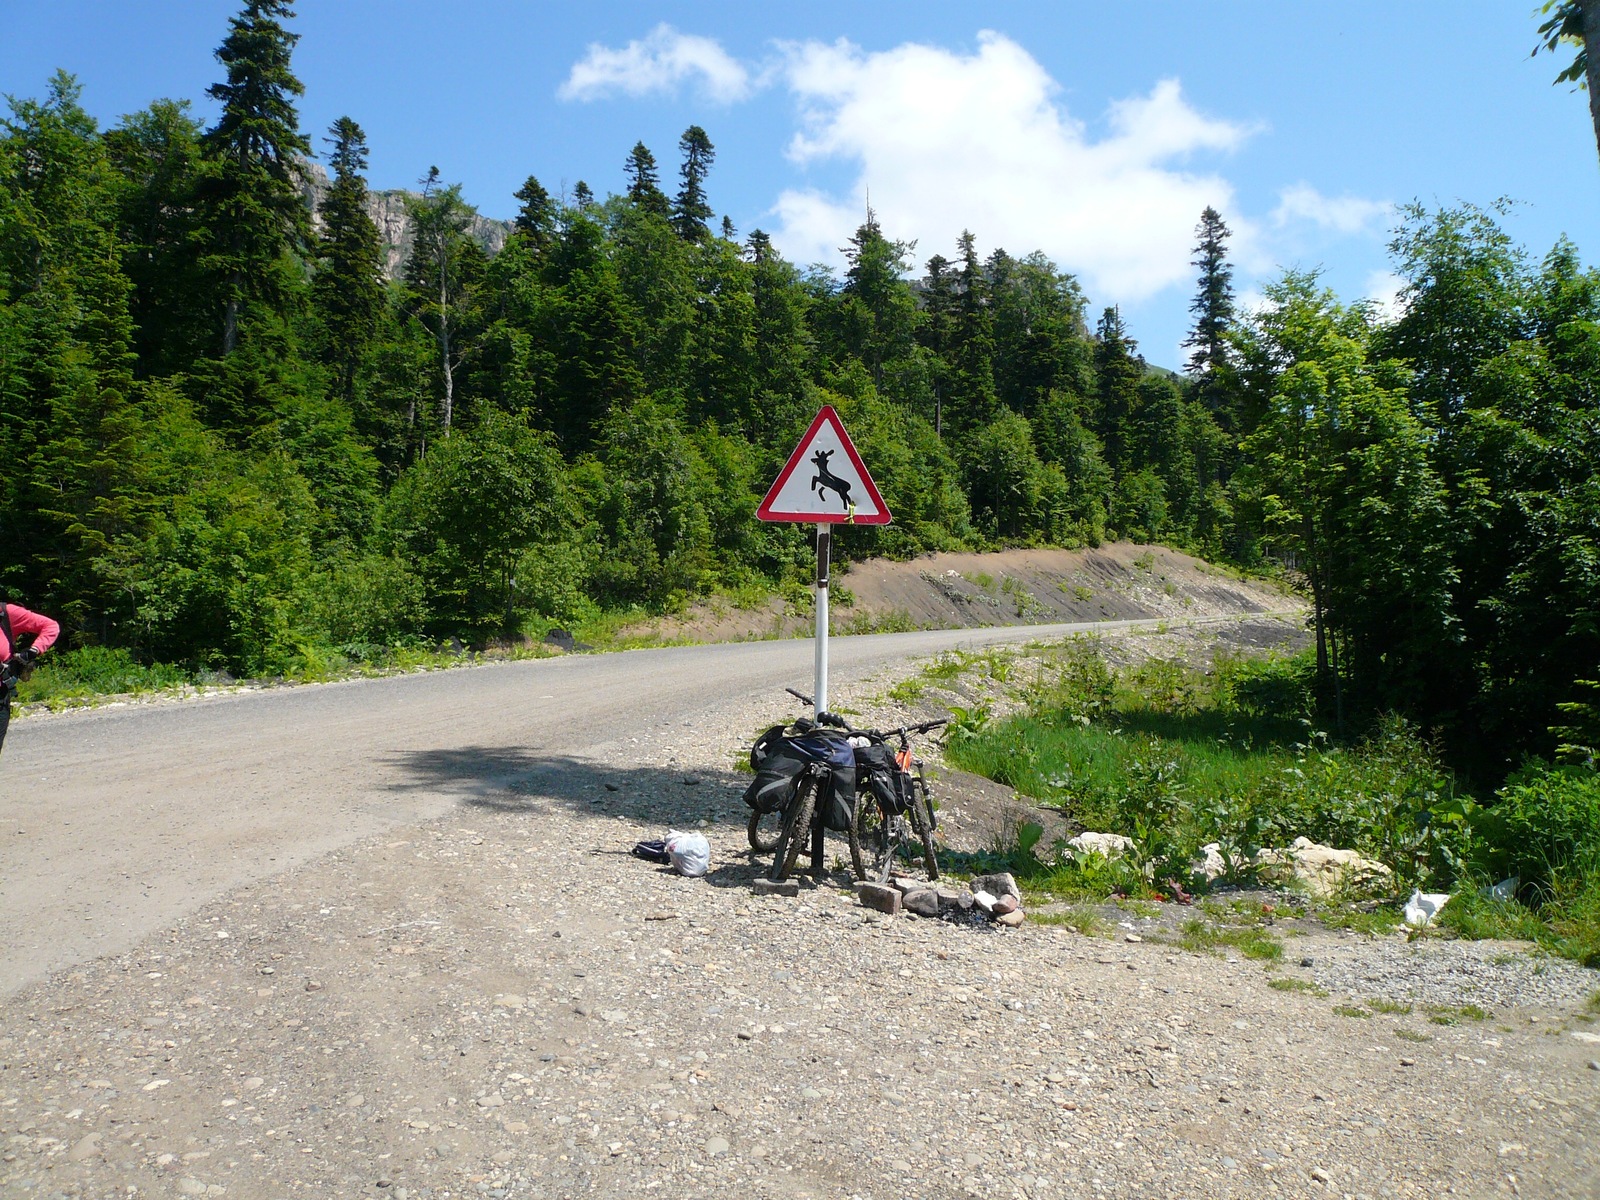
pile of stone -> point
(989, 899)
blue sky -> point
(1093, 132)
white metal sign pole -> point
(821, 691)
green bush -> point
(1545, 823)
(95, 670)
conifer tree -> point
(941, 307)
(644, 182)
(690, 211)
(66, 416)
(349, 287)
(974, 339)
(253, 215)
(157, 152)
(1213, 308)
(536, 219)
(1117, 371)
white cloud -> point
(1347, 214)
(657, 63)
(948, 141)
(1384, 289)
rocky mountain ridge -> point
(388, 212)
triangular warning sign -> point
(824, 481)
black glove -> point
(24, 658)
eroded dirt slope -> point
(1119, 581)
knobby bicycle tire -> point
(922, 822)
(853, 834)
(764, 840)
(796, 828)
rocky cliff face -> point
(388, 213)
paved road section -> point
(116, 821)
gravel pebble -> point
(916, 1057)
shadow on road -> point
(521, 782)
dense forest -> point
(232, 440)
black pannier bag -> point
(780, 760)
(877, 771)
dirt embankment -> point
(1120, 581)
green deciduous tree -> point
(443, 272)
(1576, 23)
(470, 510)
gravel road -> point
(398, 948)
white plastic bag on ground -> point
(1423, 907)
(690, 853)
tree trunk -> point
(1590, 11)
(444, 349)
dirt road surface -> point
(384, 938)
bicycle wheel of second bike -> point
(922, 821)
(796, 829)
(764, 830)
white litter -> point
(1506, 889)
(690, 853)
(1423, 907)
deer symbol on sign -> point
(825, 479)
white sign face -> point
(825, 481)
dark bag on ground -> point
(877, 771)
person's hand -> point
(24, 658)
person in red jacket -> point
(17, 625)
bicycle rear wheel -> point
(796, 828)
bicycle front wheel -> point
(764, 830)
(796, 828)
(922, 821)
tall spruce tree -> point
(691, 211)
(1117, 370)
(941, 310)
(1213, 309)
(644, 182)
(536, 219)
(349, 285)
(973, 358)
(254, 220)
(157, 152)
(66, 415)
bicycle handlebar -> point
(838, 722)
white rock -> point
(1325, 870)
(1107, 845)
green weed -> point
(1388, 1006)
(1286, 984)
(1201, 935)
(1348, 1010)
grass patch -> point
(1350, 1010)
(1389, 1006)
(1411, 1035)
(1285, 984)
(1199, 935)
(1079, 919)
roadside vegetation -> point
(1235, 756)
